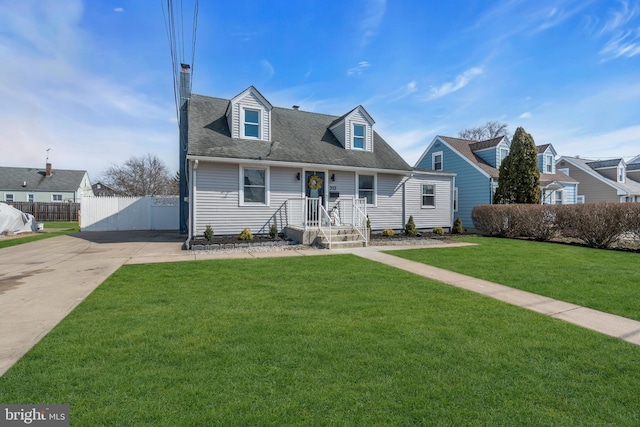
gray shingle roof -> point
(548, 178)
(542, 148)
(604, 163)
(633, 166)
(60, 180)
(297, 137)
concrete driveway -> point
(41, 282)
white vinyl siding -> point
(217, 199)
(428, 218)
(236, 120)
(388, 210)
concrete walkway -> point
(41, 282)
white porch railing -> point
(309, 213)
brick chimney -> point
(48, 170)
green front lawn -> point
(66, 228)
(331, 340)
(596, 278)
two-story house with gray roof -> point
(43, 185)
(253, 165)
(476, 165)
(603, 180)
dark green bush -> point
(273, 231)
(208, 233)
(410, 227)
(457, 226)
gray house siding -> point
(427, 218)
(218, 203)
(474, 187)
(591, 188)
(389, 209)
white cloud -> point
(459, 82)
(266, 65)
(357, 70)
(373, 14)
(118, 9)
(525, 115)
(623, 33)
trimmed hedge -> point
(598, 225)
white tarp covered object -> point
(14, 221)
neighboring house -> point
(603, 180)
(43, 185)
(251, 164)
(103, 190)
(635, 160)
(476, 165)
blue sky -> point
(92, 80)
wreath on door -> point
(315, 182)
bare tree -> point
(491, 129)
(140, 176)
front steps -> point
(341, 238)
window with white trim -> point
(559, 195)
(358, 136)
(564, 171)
(549, 164)
(251, 123)
(9, 197)
(31, 197)
(428, 196)
(436, 161)
(56, 197)
(254, 186)
(367, 188)
(580, 199)
(620, 174)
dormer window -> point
(252, 124)
(620, 174)
(358, 136)
(549, 164)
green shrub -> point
(388, 232)
(273, 231)
(245, 234)
(410, 228)
(457, 226)
(208, 233)
(439, 231)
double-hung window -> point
(56, 197)
(254, 186)
(31, 197)
(252, 124)
(366, 188)
(620, 174)
(436, 160)
(358, 136)
(559, 197)
(549, 164)
(428, 196)
(9, 197)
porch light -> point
(298, 176)
(333, 177)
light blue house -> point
(476, 165)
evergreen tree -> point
(519, 178)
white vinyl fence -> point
(129, 213)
